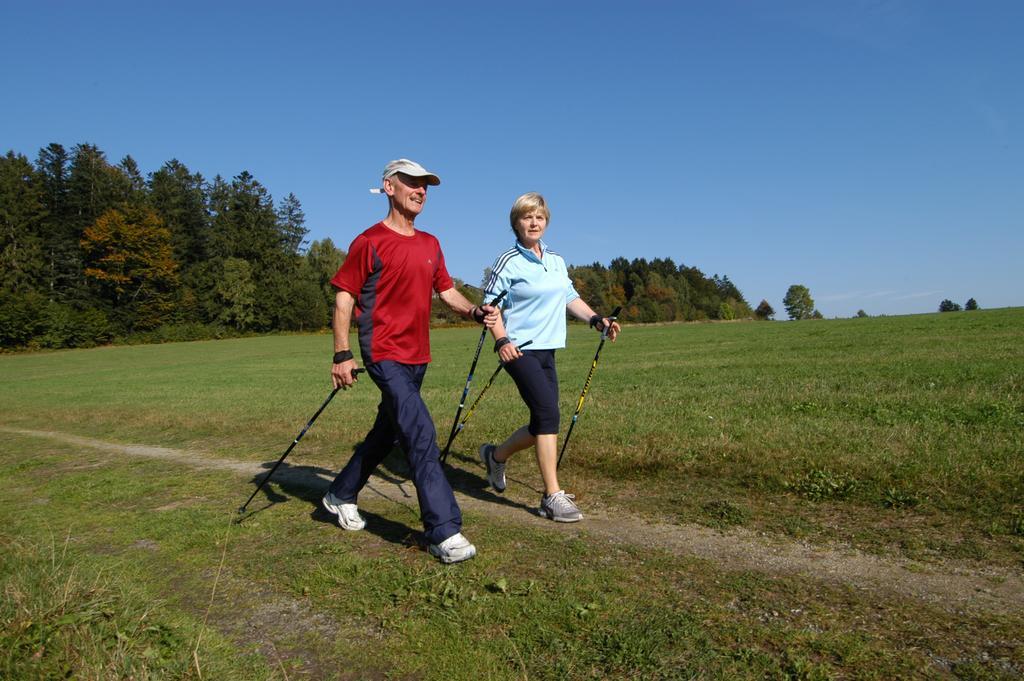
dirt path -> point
(951, 587)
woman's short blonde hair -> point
(526, 204)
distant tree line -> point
(948, 305)
(658, 291)
(93, 252)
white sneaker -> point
(454, 549)
(348, 514)
(495, 468)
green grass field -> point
(898, 438)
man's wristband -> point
(501, 342)
(477, 314)
(343, 356)
(597, 322)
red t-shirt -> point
(392, 278)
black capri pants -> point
(537, 380)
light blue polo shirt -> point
(538, 291)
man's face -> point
(407, 193)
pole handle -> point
(612, 317)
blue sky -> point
(870, 150)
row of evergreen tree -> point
(91, 252)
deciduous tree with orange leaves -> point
(129, 259)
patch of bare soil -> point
(286, 632)
(956, 587)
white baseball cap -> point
(407, 167)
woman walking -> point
(539, 293)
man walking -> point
(387, 279)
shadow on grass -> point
(473, 482)
(468, 481)
(309, 483)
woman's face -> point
(530, 227)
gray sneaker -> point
(495, 469)
(560, 507)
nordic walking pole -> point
(460, 425)
(469, 379)
(586, 386)
(241, 509)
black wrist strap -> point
(343, 356)
(477, 314)
(501, 342)
(597, 322)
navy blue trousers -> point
(402, 415)
(537, 380)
